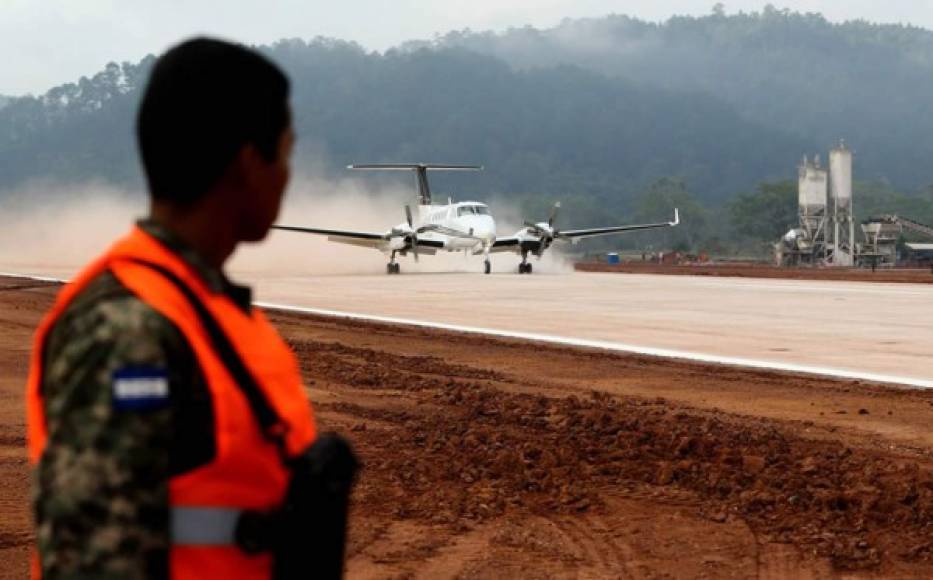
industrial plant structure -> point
(825, 233)
(826, 230)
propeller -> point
(414, 232)
(553, 216)
(546, 233)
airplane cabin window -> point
(464, 210)
(481, 210)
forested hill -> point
(557, 131)
(594, 110)
(872, 84)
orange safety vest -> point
(247, 471)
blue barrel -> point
(613, 258)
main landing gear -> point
(393, 267)
(524, 267)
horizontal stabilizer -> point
(414, 166)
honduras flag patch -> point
(140, 389)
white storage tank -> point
(812, 188)
(840, 171)
(840, 184)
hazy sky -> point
(48, 42)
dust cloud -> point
(53, 229)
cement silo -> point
(842, 249)
(812, 190)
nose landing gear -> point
(488, 268)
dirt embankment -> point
(493, 458)
(750, 270)
(514, 460)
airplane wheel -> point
(528, 268)
(393, 268)
(488, 267)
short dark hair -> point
(204, 101)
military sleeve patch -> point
(140, 389)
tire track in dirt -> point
(782, 561)
(595, 549)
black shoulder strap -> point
(270, 423)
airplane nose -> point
(486, 228)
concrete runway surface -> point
(871, 331)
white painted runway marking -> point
(616, 346)
(33, 277)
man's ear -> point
(249, 157)
(243, 165)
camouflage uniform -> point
(101, 487)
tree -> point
(657, 204)
(767, 213)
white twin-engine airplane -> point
(465, 226)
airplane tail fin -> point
(420, 169)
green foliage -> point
(78, 130)
(657, 203)
(767, 213)
(878, 198)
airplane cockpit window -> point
(472, 209)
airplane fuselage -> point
(468, 217)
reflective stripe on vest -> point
(246, 473)
(204, 526)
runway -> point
(869, 331)
(879, 332)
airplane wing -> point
(592, 233)
(511, 244)
(525, 244)
(355, 238)
(338, 233)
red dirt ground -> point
(489, 458)
(751, 270)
